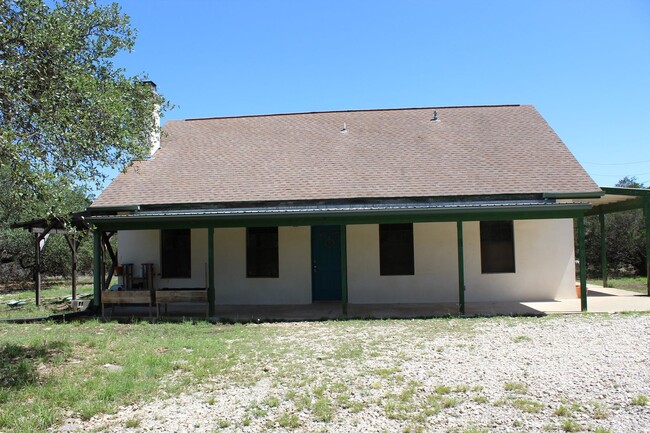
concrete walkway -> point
(599, 300)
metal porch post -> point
(461, 268)
(603, 246)
(211, 288)
(583, 263)
(344, 270)
(646, 214)
(97, 267)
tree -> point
(66, 112)
(625, 239)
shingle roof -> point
(487, 150)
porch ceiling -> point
(618, 199)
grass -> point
(54, 296)
(640, 400)
(634, 284)
(313, 372)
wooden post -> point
(211, 288)
(603, 247)
(74, 246)
(344, 270)
(97, 267)
(37, 268)
(583, 263)
(461, 268)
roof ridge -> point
(349, 111)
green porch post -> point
(461, 268)
(603, 246)
(646, 214)
(583, 263)
(344, 270)
(97, 267)
(211, 289)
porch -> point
(601, 300)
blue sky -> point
(585, 65)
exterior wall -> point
(436, 269)
(544, 264)
(293, 285)
(544, 261)
(143, 246)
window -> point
(176, 255)
(396, 249)
(497, 247)
(262, 252)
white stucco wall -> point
(544, 261)
(293, 285)
(544, 264)
(143, 246)
(435, 278)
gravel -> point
(560, 373)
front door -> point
(326, 263)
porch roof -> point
(617, 199)
(341, 214)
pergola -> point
(41, 229)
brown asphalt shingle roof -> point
(383, 154)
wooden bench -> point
(126, 297)
(181, 296)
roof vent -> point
(344, 128)
(435, 116)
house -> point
(422, 205)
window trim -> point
(408, 251)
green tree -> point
(625, 239)
(66, 112)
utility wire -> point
(617, 163)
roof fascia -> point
(636, 192)
(135, 222)
(576, 195)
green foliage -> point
(66, 112)
(625, 239)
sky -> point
(585, 65)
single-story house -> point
(422, 205)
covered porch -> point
(457, 216)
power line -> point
(620, 175)
(617, 163)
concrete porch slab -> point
(600, 300)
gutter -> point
(340, 216)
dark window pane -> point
(497, 247)
(396, 249)
(176, 256)
(262, 252)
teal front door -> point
(326, 263)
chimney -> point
(154, 135)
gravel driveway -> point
(560, 373)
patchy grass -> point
(55, 298)
(634, 284)
(516, 387)
(640, 400)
